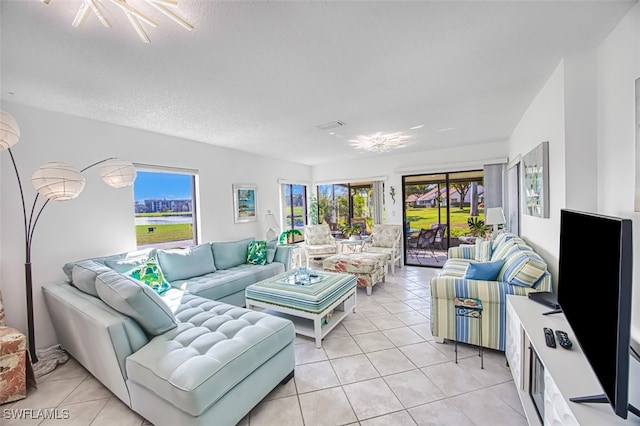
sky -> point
(161, 185)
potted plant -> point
(351, 231)
(287, 236)
(478, 228)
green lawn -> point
(169, 232)
(423, 217)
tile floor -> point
(378, 367)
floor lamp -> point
(58, 182)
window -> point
(294, 208)
(342, 204)
(165, 209)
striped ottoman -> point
(369, 268)
(315, 307)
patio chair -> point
(318, 242)
(425, 240)
(440, 232)
(385, 239)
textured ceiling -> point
(260, 76)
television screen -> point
(594, 292)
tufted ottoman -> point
(219, 361)
(369, 268)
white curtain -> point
(378, 200)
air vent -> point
(331, 125)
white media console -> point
(567, 373)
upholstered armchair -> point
(318, 242)
(385, 239)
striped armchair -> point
(523, 272)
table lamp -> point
(494, 216)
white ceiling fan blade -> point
(96, 7)
(169, 14)
(138, 27)
(82, 14)
(133, 11)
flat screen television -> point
(594, 292)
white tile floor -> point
(380, 366)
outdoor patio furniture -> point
(318, 242)
(385, 239)
(425, 241)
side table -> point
(469, 308)
(350, 246)
(296, 254)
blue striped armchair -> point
(522, 272)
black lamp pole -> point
(29, 228)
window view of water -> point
(163, 220)
(164, 209)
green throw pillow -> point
(257, 253)
(150, 274)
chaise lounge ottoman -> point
(369, 268)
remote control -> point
(549, 338)
(563, 339)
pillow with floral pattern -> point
(257, 253)
(150, 274)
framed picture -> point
(637, 195)
(245, 208)
(535, 182)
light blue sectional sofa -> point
(516, 269)
(187, 356)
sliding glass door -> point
(437, 210)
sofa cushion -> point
(84, 274)
(483, 250)
(257, 253)
(150, 274)
(137, 301)
(455, 268)
(214, 348)
(128, 263)
(145, 253)
(229, 254)
(487, 271)
(522, 267)
(272, 246)
(225, 282)
(503, 251)
(180, 264)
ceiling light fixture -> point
(381, 142)
(420, 126)
(135, 17)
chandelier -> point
(136, 17)
(380, 142)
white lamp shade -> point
(494, 216)
(118, 173)
(58, 181)
(9, 130)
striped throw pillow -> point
(483, 250)
(523, 268)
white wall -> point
(618, 68)
(544, 121)
(586, 111)
(393, 167)
(101, 221)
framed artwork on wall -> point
(245, 206)
(636, 203)
(535, 182)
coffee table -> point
(315, 308)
